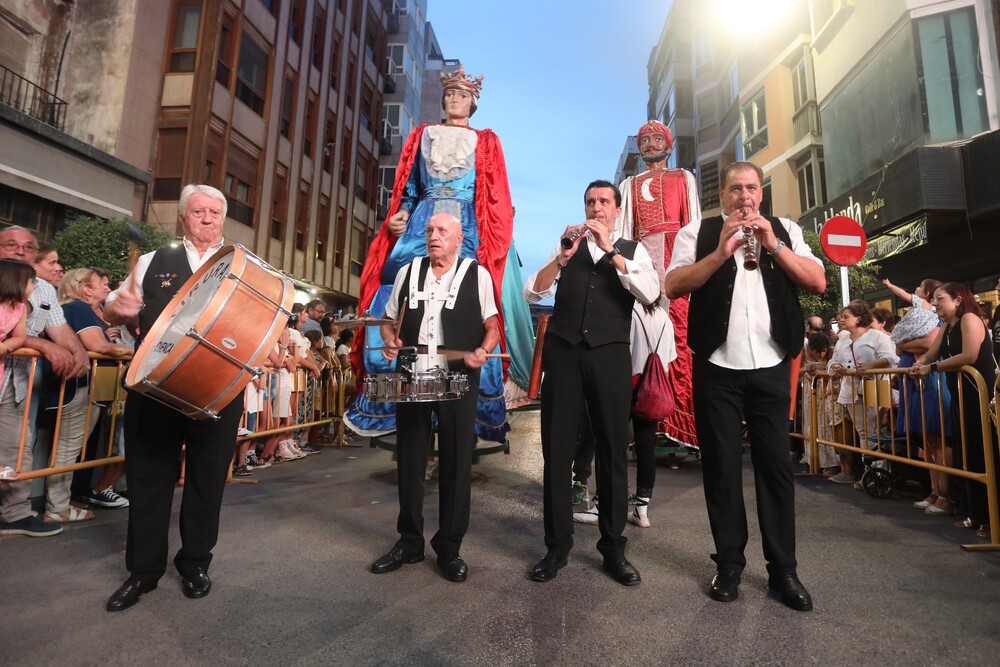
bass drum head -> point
(173, 324)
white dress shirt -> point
(430, 325)
(749, 343)
(195, 260)
(641, 280)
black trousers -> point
(721, 398)
(598, 379)
(456, 440)
(154, 434)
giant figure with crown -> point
(655, 205)
(450, 167)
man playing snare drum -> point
(447, 302)
(154, 432)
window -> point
(251, 75)
(213, 157)
(765, 198)
(287, 106)
(707, 128)
(241, 177)
(703, 53)
(352, 71)
(297, 20)
(345, 158)
(224, 66)
(357, 250)
(323, 224)
(310, 130)
(184, 51)
(754, 125)
(361, 175)
(338, 255)
(273, 5)
(319, 37)
(302, 219)
(279, 206)
(356, 17)
(329, 142)
(811, 176)
(169, 164)
(386, 180)
(335, 61)
(950, 75)
(800, 85)
(365, 110)
(708, 173)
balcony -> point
(388, 84)
(805, 122)
(23, 95)
(393, 27)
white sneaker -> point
(589, 517)
(243, 432)
(286, 451)
(638, 516)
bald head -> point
(444, 238)
(815, 323)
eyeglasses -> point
(12, 246)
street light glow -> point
(746, 17)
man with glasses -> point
(315, 310)
(68, 358)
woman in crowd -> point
(275, 450)
(651, 332)
(47, 265)
(344, 342)
(964, 342)
(922, 405)
(862, 349)
(882, 320)
(79, 291)
(17, 281)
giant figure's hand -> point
(397, 223)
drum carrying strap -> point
(418, 274)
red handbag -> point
(654, 398)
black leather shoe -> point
(622, 570)
(454, 570)
(547, 568)
(196, 584)
(128, 594)
(394, 560)
(725, 586)
(790, 591)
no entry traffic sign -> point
(844, 242)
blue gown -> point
(450, 188)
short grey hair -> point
(17, 228)
(202, 189)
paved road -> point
(891, 585)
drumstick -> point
(399, 318)
(448, 354)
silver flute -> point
(749, 245)
(575, 233)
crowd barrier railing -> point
(107, 394)
(874, 392)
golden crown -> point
(459, 79)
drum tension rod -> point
(193, 333)
(198, 410)
(256, 291)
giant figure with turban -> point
(451, 168)
(655, 205)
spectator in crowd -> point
(344, 342)
(68, 358)
(329, 342)
(47, 265)
(862, 349)
(276, 449)
(829, 413)
(964, 342)
(995, 326)
(79, 291)
(313, 314)
(17, 281)
(245, 459)
(882, 320)
(924, 412)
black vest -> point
(708, 318)
(591, 304)
(461, 326)
(164, 277)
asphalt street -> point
(291, 583)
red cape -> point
(494, 220)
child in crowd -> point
(17, 281)
(829, 413)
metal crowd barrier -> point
(105, 387)
(875, 393)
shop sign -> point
(908, 236)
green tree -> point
(104, 243)
(862, 277)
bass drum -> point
(204, 347)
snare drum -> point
(217, 330)
(434, 385)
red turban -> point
(656, 127)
